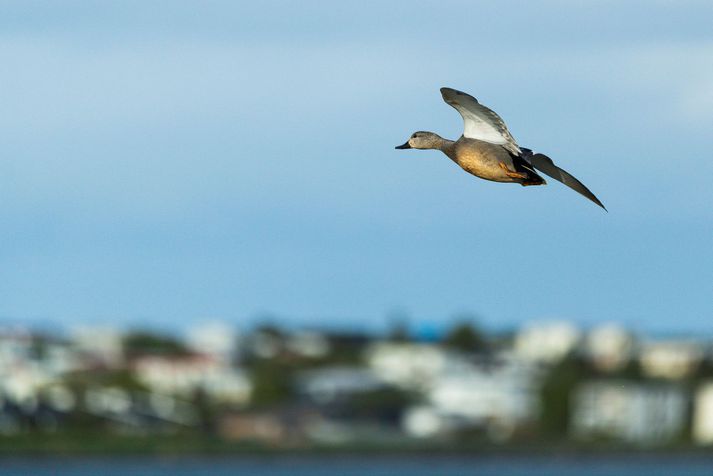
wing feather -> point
(479, 122)
(545, 165)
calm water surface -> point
(361, 466)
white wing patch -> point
(479, 122)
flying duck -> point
(488, 150)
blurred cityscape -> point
(270, 387)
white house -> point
(703, 415)
(408, 365)
(609, 347)
(216, 339)
(546, 342)
(103, 344)
(640, 413)
(498, 397)
(672, 359)
(183, 375)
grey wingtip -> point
(445, 92)
(450, 93)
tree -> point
(141, 342)
(465, 337)
(556, 393)
(385, 404)
(272, 382)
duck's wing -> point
(545, 165)
(480, 122)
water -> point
(361, 465)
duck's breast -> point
(483, 159)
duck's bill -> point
(403, 146)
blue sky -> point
(168, 162)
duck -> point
(487, 150)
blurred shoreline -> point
(189, 446)
(547, 387)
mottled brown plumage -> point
(482, 159)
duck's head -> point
(422, 140)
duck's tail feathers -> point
(523, 165)
(545, 165)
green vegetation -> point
(272, 382)
(140, 343)
(385, 405)
(465, 337)
(555, 395)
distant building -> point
(215, 339)
(410, 365)
(703, 415)
(288, 425)
(546, 342)
(15, 346)
(332, 383)
(184, 375)
(638, 413)
(29, 380)
(671, 359)
(21, 384)
(59, 397)
(609, 347)
(20, 375)
(262, 427)
(497, 398)
(59, 359)
(137, 408)
(101, 344)
(308, 344)
(109, 400)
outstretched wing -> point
(480, 122)
(544, 164)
